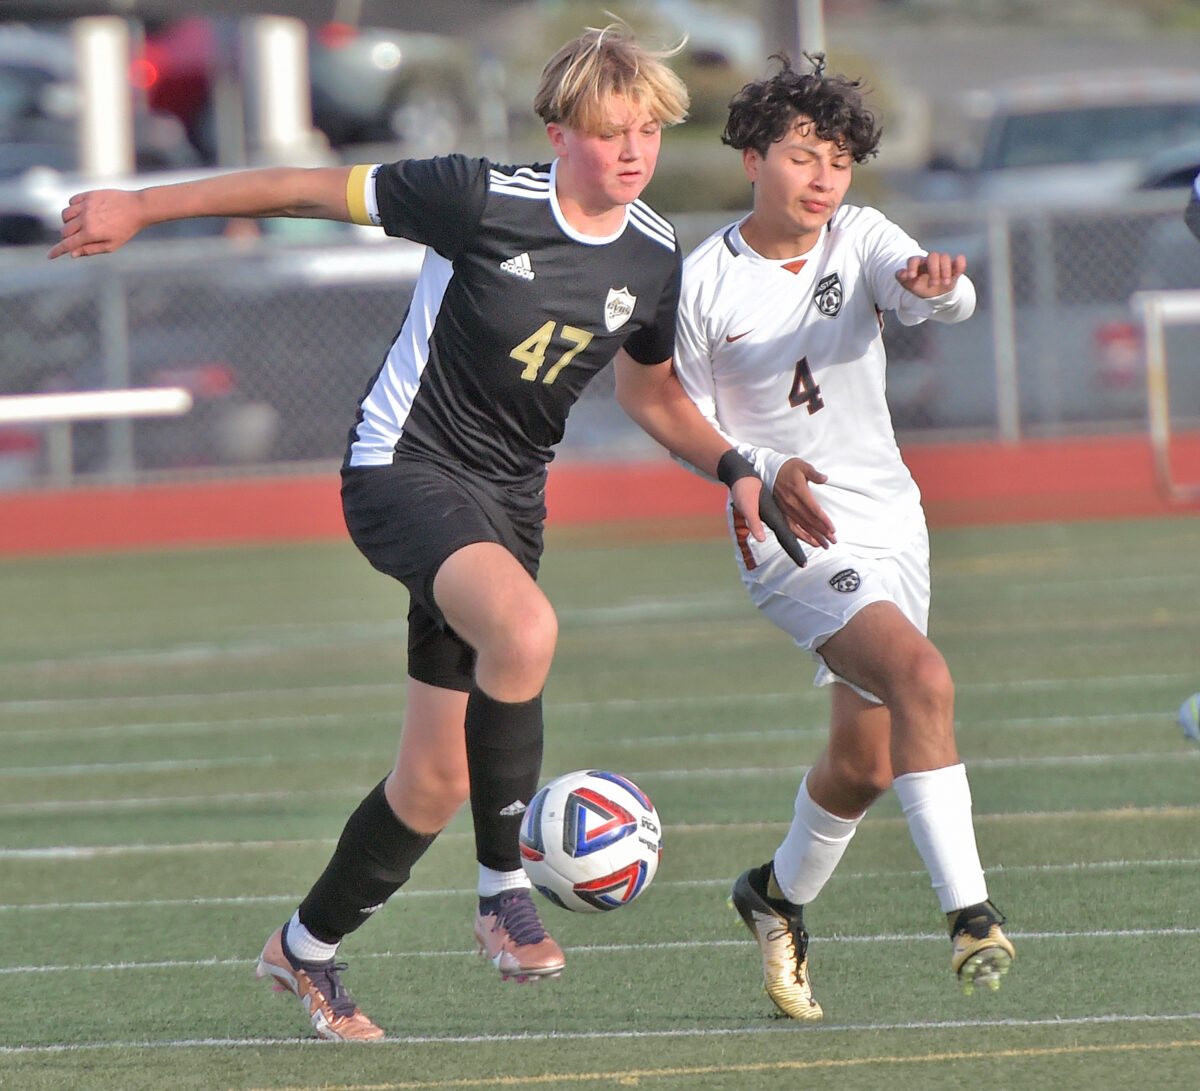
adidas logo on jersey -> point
(518, 266)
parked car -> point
(368, 84)
(39, 108)
(1175, 167)
(1065, 140)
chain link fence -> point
(276, 342)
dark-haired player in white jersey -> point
(779, 344)
(535, 277)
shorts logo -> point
(846, 580)
(828, 296)
(617, 308)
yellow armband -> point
(361, 176)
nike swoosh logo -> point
(736, 337)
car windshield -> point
(16, 91)
(1095, 134)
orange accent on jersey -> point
(795, 266)
(742, 531)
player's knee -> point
(927, 683)
(426, 796)
(531, 637)
(861, 779)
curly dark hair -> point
(764, 111)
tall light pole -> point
(796, 26)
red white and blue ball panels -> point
(591, 841)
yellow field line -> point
(631, 1076)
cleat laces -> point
(327, 979)
(518, 916)
(797, 947)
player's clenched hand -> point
(795, 497)
(932, 275)
(97, 222)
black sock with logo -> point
(504, 757)
(373, 859)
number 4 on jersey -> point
(804, 389)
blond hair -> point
(580, 78)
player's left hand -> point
(932, 275)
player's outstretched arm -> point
(103, 220)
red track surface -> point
(963, 484)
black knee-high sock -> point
(504, 756)
(373, 859)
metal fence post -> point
(114, 353)
(1044, 275)
(1008, 412)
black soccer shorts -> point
(406, 518)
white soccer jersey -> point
(786, 358)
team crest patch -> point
(828, 296)
(617, 308)
(846, 580)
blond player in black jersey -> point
(780, 344)
(535, 277)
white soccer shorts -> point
(810, 604)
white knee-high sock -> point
(814, 844)
(937, 805)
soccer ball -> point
(1189, 717)
(591, 841)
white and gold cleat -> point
(982, 952)
(779, 929)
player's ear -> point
(556, 133)
(751, 161)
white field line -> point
(31, 705)
(130, 803)
(1041, 589)
(611, 948)
(321, 722)
(826, 1027)
(718, 605)
(1072, 867)
(159, 729)
(96, 852)
(28, 706)
(168, 765)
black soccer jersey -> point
(514, 312)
